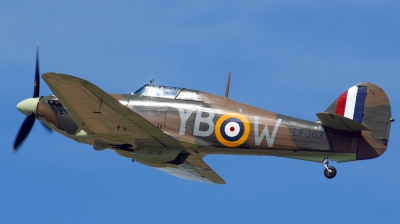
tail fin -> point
(368, 105)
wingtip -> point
(49, 75)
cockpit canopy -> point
(159, 91)
(169, 92)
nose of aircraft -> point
(28, 105)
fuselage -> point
(210, 124)
(218, 124)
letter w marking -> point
(265, 132)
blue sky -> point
(285, 56)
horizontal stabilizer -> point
(338, 122)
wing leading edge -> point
(110, 122)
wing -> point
(104, 117)
(194, 169)
(110, 122)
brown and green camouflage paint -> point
(195, 118)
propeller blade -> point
(36, 83)
(24, 130)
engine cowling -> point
(51, 111)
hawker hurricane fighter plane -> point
(172, 129)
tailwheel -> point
(330, 172)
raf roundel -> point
(232, 129)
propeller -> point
(24, 130)
(28, 107)
(36, 83)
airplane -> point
(172, 128)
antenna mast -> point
(227, 85)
